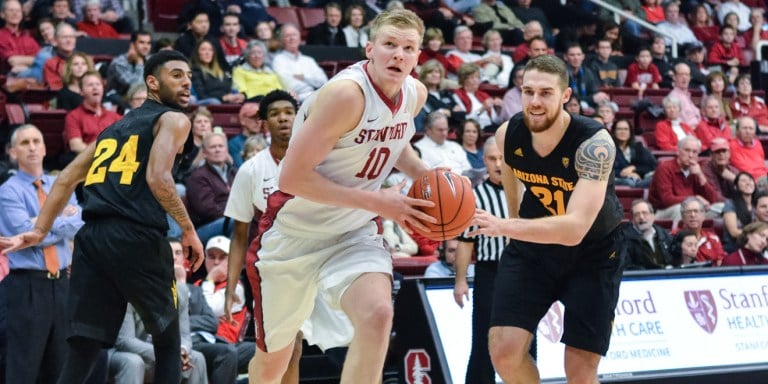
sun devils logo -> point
(566, 162)
(417, 367)
(519, 152)
(701, 305)
(551, 326)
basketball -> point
(454, 202)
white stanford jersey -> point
(255, 180)
(361, 158)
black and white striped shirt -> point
(488, 197)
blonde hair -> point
(400, 18)
(213, 69)
(67, 76)
(429, 66)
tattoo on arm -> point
(595, 156)
(165, 193)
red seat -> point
(226, 116)
(330, 67)
(15, 114)
(309, 17)
(164, 14)
(285, 15)
(627, 196)
(51, 123)
(413, 266)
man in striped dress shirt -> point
(490, 197)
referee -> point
(490, 197)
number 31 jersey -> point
(116, 184)
(361, 159)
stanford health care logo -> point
(701, 305)
(551, 326)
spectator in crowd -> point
(329, 32)
(643, 74)
(445, 267)
(17, 46)
(715, 84)
(718, 169)
(477, 104)
(695, 58)
(198, 28)
(254, 77)
(432, 75)
(747, 152)
(634, 164)
(208, 189)
(733, 19)
(645, 244)
(462, 6)
(470, 139)
(432, 49)
(684, 247)
(713, 125)
(702, 25)
(606, 110)
(265, 32)
(654, 12)
(133, 359)
(436, 150)
(398, 241)
(248, 116)
(210, 83)
(531, 30)
(54, 67)
(136, 96)
(738, 210)
(633, 7)
(252, 146)
(437, 14)
(251, 13)
(671, 130)
(581, 79)
(214, 284)
(736, 6)
(679, 178)
(462, 53)
(298, 73)
(499, 66)
(61, 12)
(84, 124)
(231, 44)
(662, 61)
(512, 102)
(674, 25)
(752, 241)
(757, 32)
(220, 356)
(710, 248)
(92, 24)
(111, 12)
(128, 68)
(35, 290)
(527, 13)
(500, 18)
(202, 125)
(726, 53)
(760, 202)
(573, 105)
(69, 97)
(689, 112)
(356, 31)
(746, 104)
(47, 40)
(602, 65)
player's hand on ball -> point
(193, 249)
(403, 209)
(487, 224)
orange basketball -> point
(454, 202)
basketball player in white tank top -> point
(323, 242)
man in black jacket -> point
(328, 32)
(645, 245)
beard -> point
(540, 125)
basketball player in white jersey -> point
(256, 179)
(318, 235)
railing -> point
(618, 12)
